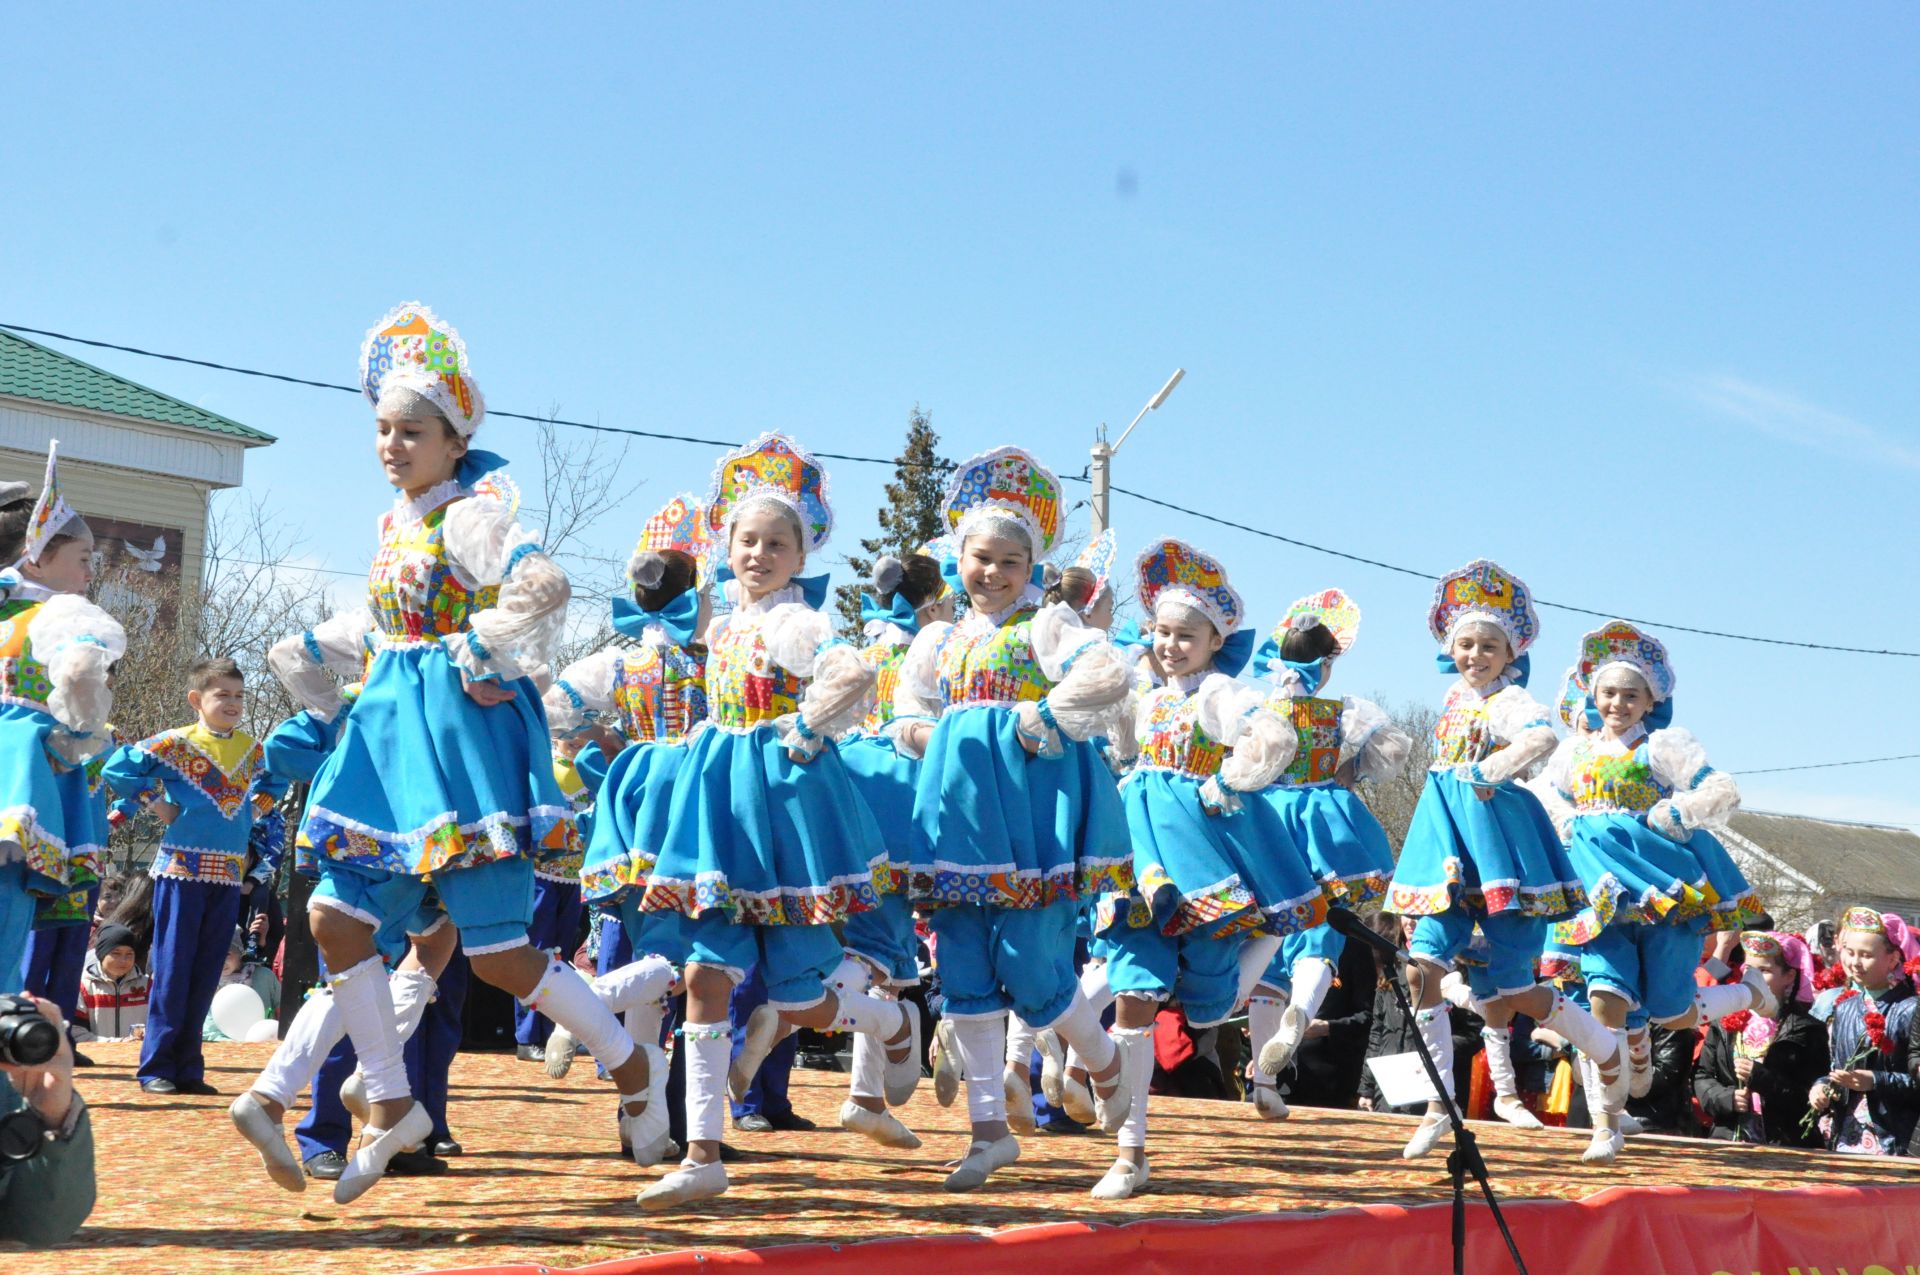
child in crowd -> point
(1755, 1074)
(114, 990)
(1870, 1099)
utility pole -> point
(1100, 471)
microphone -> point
(1351, 926)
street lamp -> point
(1100, 472)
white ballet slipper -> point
(1019, 1102)
(903, 1076)
(270, 1140)
(686, 1184)
(1111, 1111)
(353, 1095)
(882, 1127)
(377, 1147)
(1053, 1064)
(645, 1134)
(1123, 1180)
(1076, 1099)
(561, 1047)
(982, 1159)
(1605, 1147)
(763, 1033)
(946, 1064)
(1426, 1137)
(1277, 1054)
(1268, 1104)
(1510, 1109)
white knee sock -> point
(413, 991)
(850, 977)
(643, 1021)
(569, 1000)
(1263, 1024)
(316, 1028)
(364, 999)
(983, 1050)
(1137, 1042)
(1436, 1028)
(1079, 1026)
(645, 980)
(1099, 994)
(1312, 978)
(1256, 955)
(1499, 1043)
(1020, 1042)
(708, 1047)
(868, 1078)
(1582, 1030)
(1716, 1002)
(868, 1015)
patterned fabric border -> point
(1553, 901)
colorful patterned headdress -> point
(1009, 483)
(412, 348)
(1887, 925)
(1573, 702)
(1789, 949)
(680, 525)
(1621, 643)
(945, 551)
(52, 515)
(1174, 571)
(1330, 608)
(775, 467)
(1484, 591)
(1098, 557)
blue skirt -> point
(1346, 845)
(425, 780)
(1491, 856)
(49, 822)
(994, 825)
(752, 833)
(885, 778)
(1221, 874)
(1633, 873)
(629, 821)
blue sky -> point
(1622, 298)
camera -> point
(27, 1039)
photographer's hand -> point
(47, 1088)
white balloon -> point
(265, 1029)
(237, 1008)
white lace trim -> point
(413, 509)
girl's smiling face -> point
(994, 571)
(1622, 700)
(417, 452)
(1481, 653)
(1868, 959)
(764, 550)
(1185, 642)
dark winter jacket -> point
(1796, 1057)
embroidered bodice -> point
(745, 688)
(885, 659)
(1464, 734)
(659, 693)
(23, 679)
(413, 590)
(1316, 722)
(1604, 778)
(1171, 737)
(991, 665)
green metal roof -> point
(31, 370)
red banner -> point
(1620, 1231)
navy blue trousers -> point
(193, 924)
(767, 1096)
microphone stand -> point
(1465, 1157)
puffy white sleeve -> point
(1368, 738)
(77, 642)
(583, 691)
(1259, 745)
(1090, 675)
(307, 663)
(486, 546)
(801, 640)
(1702, 796)
(916, 695)
(1551, 786)
(1517, 718)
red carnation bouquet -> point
(1873, 1040)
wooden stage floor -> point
(540, 1180)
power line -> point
(1829, 765)
(897, 461)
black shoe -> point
(81, 1060)
(417, 1163)
(447, 1147)
(199, 1088)
(755, 1123)
(160, 1085)
(327, 1166)
(728, 1153)
(792, 1122)
(531, 1053)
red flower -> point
(1913, 967)
(1876, 1024)
(1847, 995)
(1735, 1023)
(1828, 976)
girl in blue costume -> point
(55, 651)
(1481, 850)
(1016, 817)
(908, 593)
(1338, 741)
(630, 708)
(766, 844)
(444, 768)
(1639, 794)
(1220, 879)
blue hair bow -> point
(476, 465)
(1126, 635)
(1234, 652)
(679, 617)
(813, 589)
(1519, 670)
(1268, 660)
(899, 611)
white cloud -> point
(1781, 415)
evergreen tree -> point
(909, 519)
